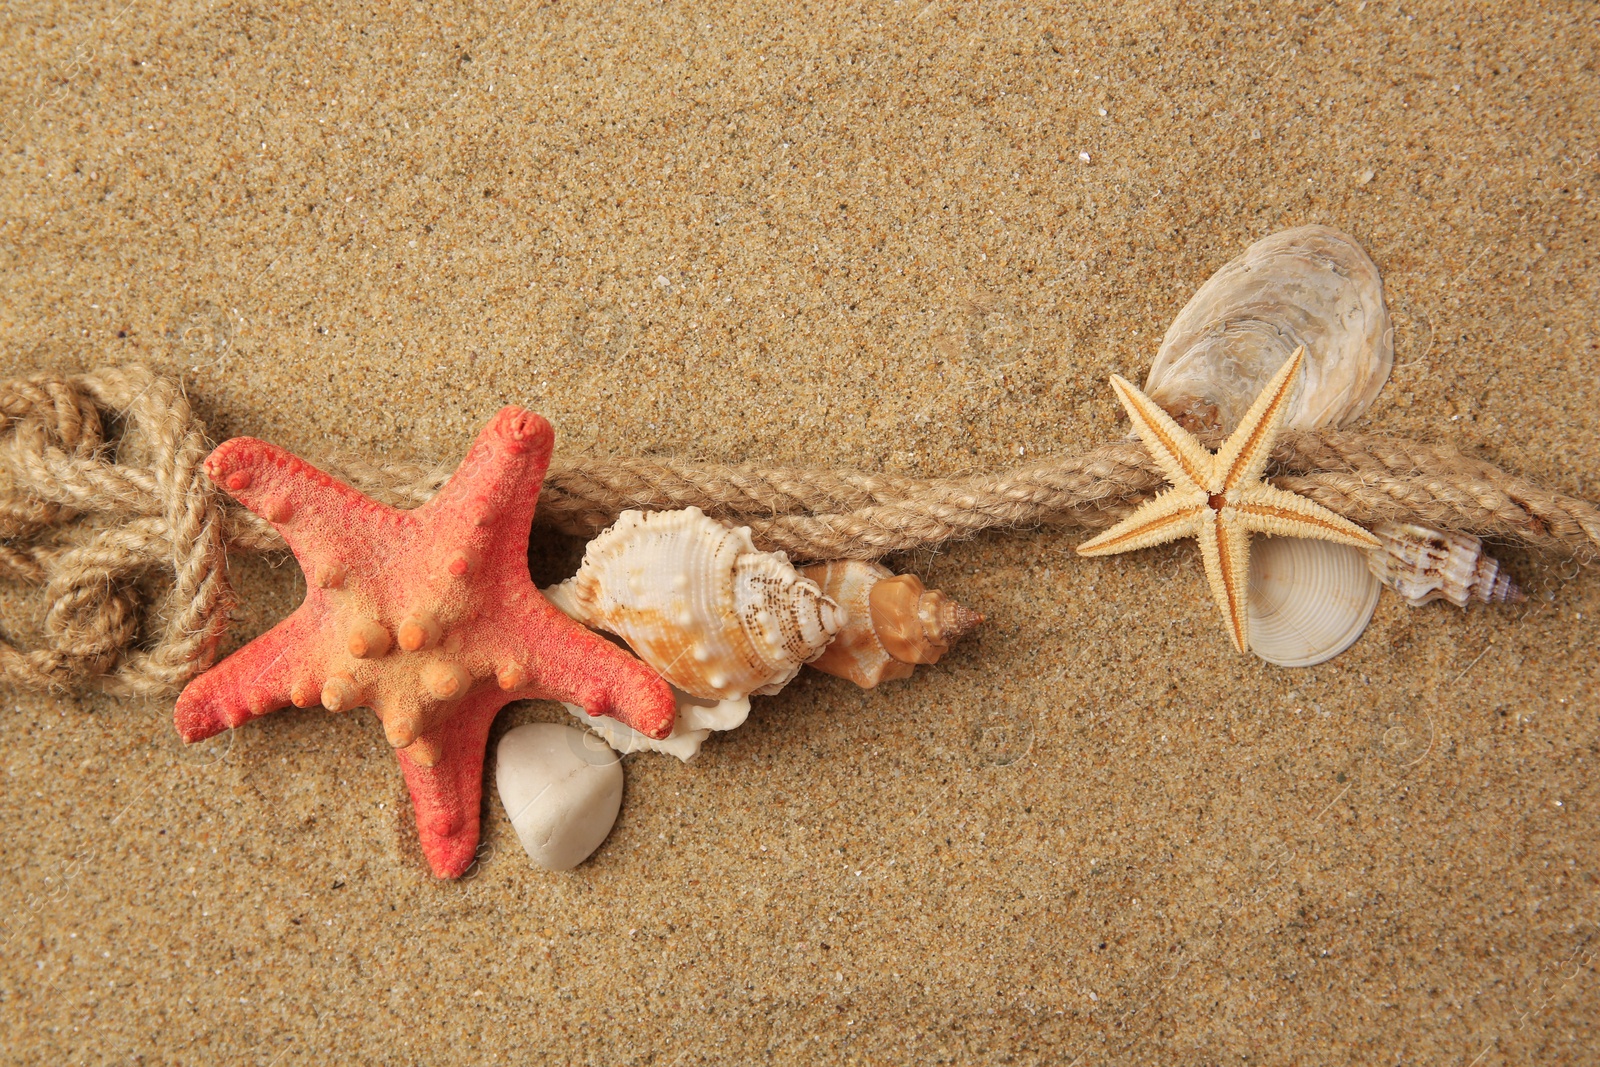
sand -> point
(913, 237)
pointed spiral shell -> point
(891, 623)
(1423, 565)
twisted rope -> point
(99, 519)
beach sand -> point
(906, 237)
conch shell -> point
(891, 623)
(1423, 565)
(696, 600)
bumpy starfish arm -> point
(497, 484)
(312, 510)
(1225, 547)
(446, 794)
(551, 657)
(1173, 514)
(255, 680)
(1181, 458)
(1243, 456)
(1279, 513)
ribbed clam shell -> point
(1309, 600)
(1309, 286)
(695, 600)
(1423, 564)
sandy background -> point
(843, 236)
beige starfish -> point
(1219, 498)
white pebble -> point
(562, 788)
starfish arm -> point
(447, 794)
(1173, 514)
(1225, 548)
(1243, 456)
(1181, 458)
(556, 658)
(256, 680)
(323, 520)
(497, 484)
(1276, 512)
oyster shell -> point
(695, 600)
(1309, 600)
(891, 623)
(1309, 286)
(1424, 564)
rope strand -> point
(92, 520)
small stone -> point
(562, 788)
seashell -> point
(891, 623)
(1309, 286)
(697, 719)
(695, 600)
(1423, 565)
(1309, 600)
(561, 789)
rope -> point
(104, 504)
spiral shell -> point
(1423, 565)
(695, 600)
(891, 623)
(1309, 286)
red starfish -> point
(428, 616)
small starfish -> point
(1219, 498)
(429, 617)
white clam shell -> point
(1309, 600)
(562, 790)
(696, 600)
(1309, 286)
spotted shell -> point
(892, 623)
(1423, 565)
(696, 600)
